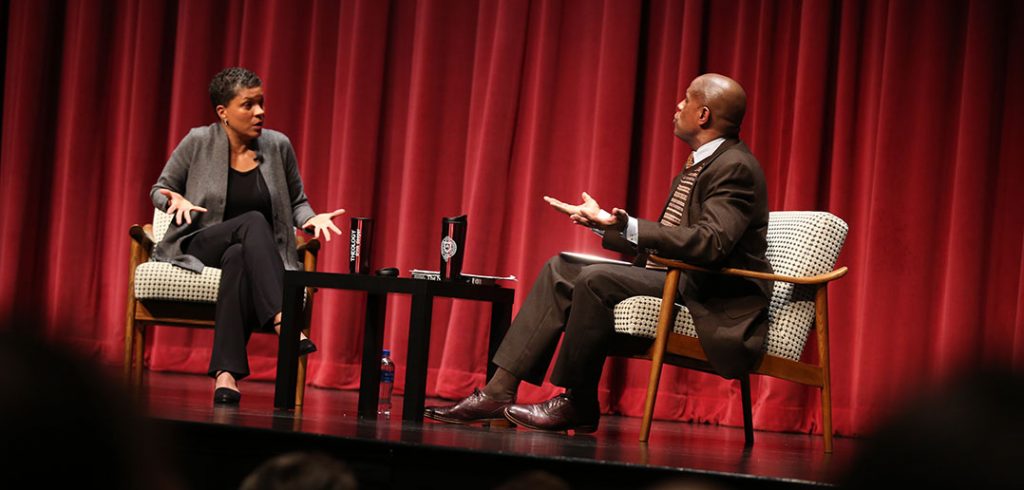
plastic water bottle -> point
(387, 382)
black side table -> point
(377, 288)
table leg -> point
(373, 343)
(288, 347)
(501, 318)
(416, 357)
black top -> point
(247, 191)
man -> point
(716, 216)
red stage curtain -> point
(896, 116)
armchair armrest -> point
(143, 235)
(819, 279)
(307, 249)
(141, 245)
(303, 244)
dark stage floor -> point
(393, 454)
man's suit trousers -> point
(251, 285)
(579, 300)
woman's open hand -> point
(323, 223)
(180, 207)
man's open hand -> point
(589, 213)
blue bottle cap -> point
(387, 352)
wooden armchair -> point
(162, 294)
(802, 248)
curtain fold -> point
(896, 118)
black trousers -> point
(579, 300)
(251, 285)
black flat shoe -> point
(306, 346)
(226, 396)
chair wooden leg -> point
(129, 338)
(748, 419)
(826, 414)
(300, 384)
(665, 321)
(821, 324)
(652, 393)
(138, 345)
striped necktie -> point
(676, 208)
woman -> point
(236, 196)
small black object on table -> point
(423, 292)
(387, 272)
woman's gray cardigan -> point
(198, 170)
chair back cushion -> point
(800, 244)
(161, 221)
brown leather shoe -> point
(559, 414)
(474, 409)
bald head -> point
(726, 99)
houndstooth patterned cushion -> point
(161, 280)
(161, 221)
(639, 316)
(800, 243)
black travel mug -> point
(453, 247)
(359, 243)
